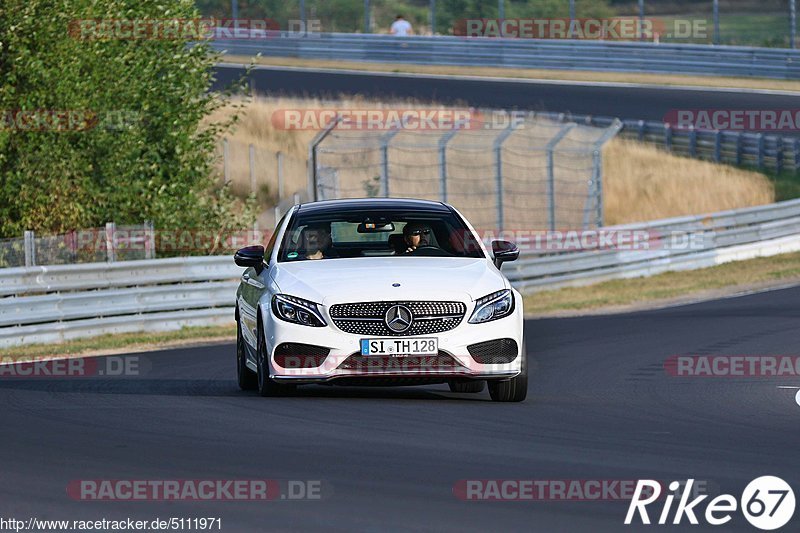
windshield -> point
(377, 233)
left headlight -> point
(297, 311)
(493, 306)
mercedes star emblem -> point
(398, 318)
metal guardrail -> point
(780, 63)
(753, 149)
(46, 304)
(723, 236)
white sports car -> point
(379, 291)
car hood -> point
(372, 279)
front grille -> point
(297, 355)
(441, 362)
(367, 318)
(494, 352)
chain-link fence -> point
(734, 22)
(533, 173)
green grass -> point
(730, 277)
(746, 29)
(123, 341)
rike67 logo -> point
(767, 503)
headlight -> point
(297, 311)
(496, 305)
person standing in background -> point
(401, 27)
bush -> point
(144, 154)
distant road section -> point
(626, 101)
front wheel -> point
(267, 386)
(514, 389)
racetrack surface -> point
(600, 407)
(625, 102)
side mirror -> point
(250, 256)
(504, 251)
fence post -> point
(498, 171)
(641, 130)
(252, 153)
(279, 157)
(367, 28)
(150, 240)
(30, 248)
(225, 163)
(551, 174)
(111, 229)
(641, 19)
(760, 141)
(717, 146)
(715, 9)
(778, 154)
(385, 140)
(433, 16)
(443, 140)
(312, 158)
(792, 24)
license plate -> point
(400, 347)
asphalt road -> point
(627, 102)
(600, 406)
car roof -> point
(356, 204)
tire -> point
(514, 389)
(466, 386)
(246, 377)
(266, 386)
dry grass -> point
(641, 182)
(644, 183)
(583, 76)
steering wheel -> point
(428, 250)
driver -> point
(316, 241)
(416, 235)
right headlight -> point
(493, 306)
(297, 311)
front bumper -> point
(344, 364)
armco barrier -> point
(51, 304)
(740, 61)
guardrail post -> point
(111, 229)
(668, 137)
(796, 153)
(641, 124)
(715, 9)
(313, 193)
(792, 24)
(551, 175)
(30, 248)
(778, 154)
(443, 140)
(717, 146)
(385, 140)
(738, 148)
(432, 17)
(760, 155)
(150, 240)
(498, 171)
(692, 141)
